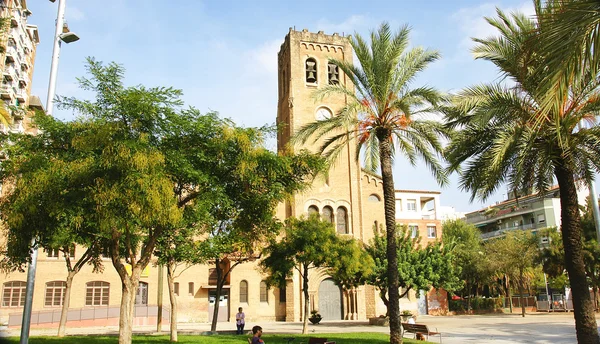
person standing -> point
(240, 321)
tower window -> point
(333, 72)
(342, 220)
(327, 214)
(311, 70)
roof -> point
(420, 191)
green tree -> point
(307, 244)
(513, 258)
(503, 140)
(383, 116)
(228, 186)
(40, 202)
(466, 242)
(419, 268)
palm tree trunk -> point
(585, 319)
(65, 307)
(389, 197)
(173, 299)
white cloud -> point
(74, 14)
(471, 22)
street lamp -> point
(62, 34)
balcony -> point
(503, 231)
(8, 74)
(6, 92)
(22, 81)
(22, 96)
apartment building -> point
(18, 43)
(530, 212)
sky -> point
(223, 54)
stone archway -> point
(330, 300)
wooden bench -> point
(420, 329)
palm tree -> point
(384, 114)
(571, 29)
(504, 140)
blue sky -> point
(223, 54)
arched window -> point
(342, 220)
(327, 214)
(313, 210)
(97, 293)
(55, 293)
(13, 294)
(244, 291)
(141, 297)
(374, 198)
(333, 73)
(264, 297)
(311, 70)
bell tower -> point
(340, 196)
(304, 67)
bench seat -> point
(420, 329)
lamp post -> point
(62, 34)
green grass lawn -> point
(339, 338)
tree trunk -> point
(219, 290)
(508, 293)
(389, 197)
(306, 300)
(585, 319)
(521, 298)
(65, 307)
(129, 286)
(173, 300)
(469, 297)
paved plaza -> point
(498, 329)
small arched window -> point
(264, 297)
(311, 70)
(374, 198)
(141, 297)
(327, 214)
(13, 294)
(333, 73)
(313, 210)
(342, 220)
(244, 291)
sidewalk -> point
(498, 329)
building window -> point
(327, 214)
(541, 218)
(212, 276)
(431, 232)
(176, 288)
(311, 70)
(55, 293)
(398, 205)
(374, 198)
(411, 205)
(342, 220)
(244, 291)
(333, 72)
(141, 297)
(282, 295)
(13, 294)
(414, 230)
(191, 288)
(97, 293)
(52, 252)
(313, 210)
(264, 297)
(376, 227)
